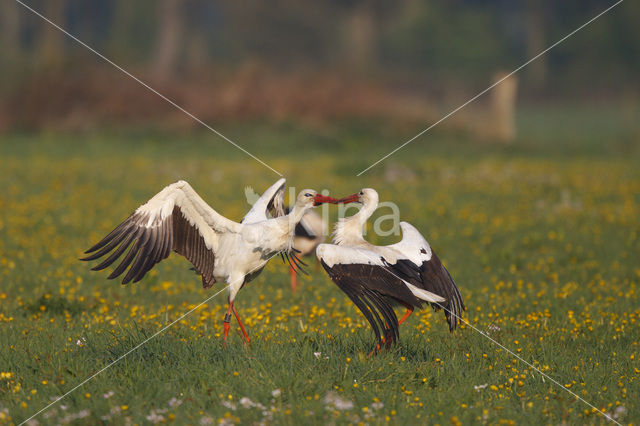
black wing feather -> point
(432, 276)
(358, 296)
(124, 243)
(148, 245)
(374, 292)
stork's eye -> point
(308, 194)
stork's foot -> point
(378, 348)
(246, 340)
(388, 339)
(388, 342)
(375, 350)
(246, 343)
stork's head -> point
(365, 196)
(308, 198)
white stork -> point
(376, 278)
(220, 249)
(309, 233)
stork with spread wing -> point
(177, 219)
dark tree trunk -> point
(170, 28)
(361, 37)
(10, 28)
(51, 42)
(537, 70)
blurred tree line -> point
(438, 43)
(433, 46)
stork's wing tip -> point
(113, 275)
(89, 253)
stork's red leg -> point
(246, 336)
(378, 348)
(294, 279)
(389, 339)
(406, 314)
(227, 320)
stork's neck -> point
(295, 215)
(365, 213)
(349, 230)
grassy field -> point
(542, 238)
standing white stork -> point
(309, 233)
(378, 277)
(220, 249)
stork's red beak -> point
(320, 199)
(349, 199)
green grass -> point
(542, 238)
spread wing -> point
(174, 219)
(420, 266)
(271, 201)
(364, 277)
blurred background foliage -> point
(289, 59)
(529, 194)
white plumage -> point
(377, 277)
(220, 249)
